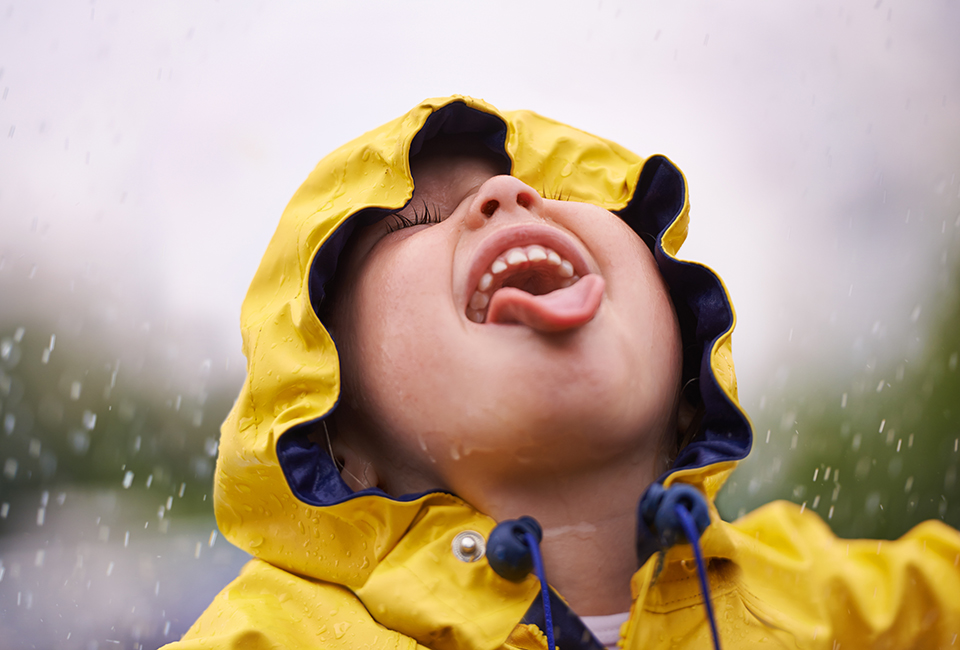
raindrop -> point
(79, 441)
(110, 568)
(210, 446)
(10, 468)
(9, 423)
(4, 510)
(39, 558)
(41, 516)
(9, 352)
(213, 538)
(127, 480)
(126, 539)
(89, 420)
(75, 388)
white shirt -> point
(606, 628)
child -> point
(517, 339)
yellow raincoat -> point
(342, 570)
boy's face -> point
(584, 375)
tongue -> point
(556, 311)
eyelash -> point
(428, 216)
(556, 195)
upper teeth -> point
(515, 258)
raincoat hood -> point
(280, 497)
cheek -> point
(400, 300)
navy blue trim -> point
(704, 313)
(314, 477)
(569, 632)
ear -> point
(355, 469)
(689, 414)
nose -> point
(502, 196)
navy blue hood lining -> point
(701, 303)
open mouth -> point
(537, 278)
(535, 269)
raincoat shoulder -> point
(780, 578)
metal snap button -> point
(469, 546)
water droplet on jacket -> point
(255, 542)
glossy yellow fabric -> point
(377, 572)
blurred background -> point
(148, 149)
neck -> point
(589, 523)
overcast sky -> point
(148, 149)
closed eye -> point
(427, 215)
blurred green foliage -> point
(85, 410)
(874, 454)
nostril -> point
(523, 200)
(490, 207)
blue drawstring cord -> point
(513, 550)
(693, 536)
(534, 546)
(677, 514)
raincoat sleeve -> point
(852, 593)
(266, 607)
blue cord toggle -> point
(513, 550)
(657, 509)
(508, 551)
